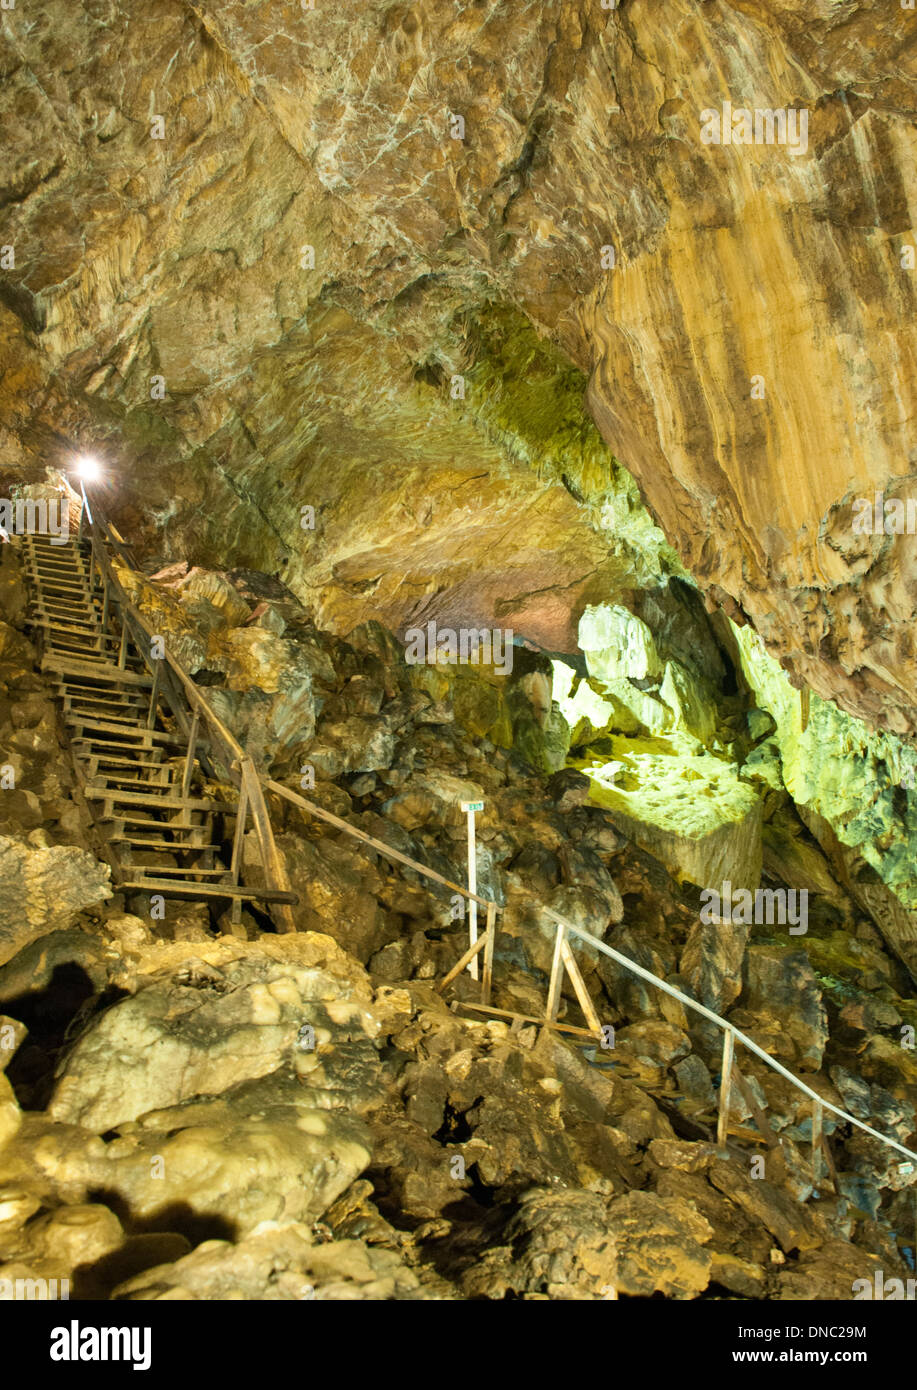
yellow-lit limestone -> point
(222, 1015)
(43, 887)
(293, 237)
(693, 813)
(856, 791)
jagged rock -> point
(783, 995)
(339, 889)
(694, 1080)
(791, 1224)
(690, 812)
(618, 645)
(712, 962)
(687, 1158)
(432, 798)
(42, 888)
(568, 789)
(576, 1245)
(659, 1043)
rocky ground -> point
(188, 1111)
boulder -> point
(711, 962)
(217, 1016)
(43, 887)
(784, 997)
(279, 1261)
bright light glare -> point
(88, 469)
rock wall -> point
(336, 196)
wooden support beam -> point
(523, 1018)
(761, 1120)
(240, 833)
(553, 1003)
(465, 960)
(272, 860)
(579, 986)
(189, 757)
(154, 698)
(829, 1160)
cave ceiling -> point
(248, 263)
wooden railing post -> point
(817, 1130)
(557, 966)
(189, 757)
(154, 697)
(725, 1088)
(238, 837)
(487, 982)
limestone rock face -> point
(324, 203)
(42, 887)
(783, 992)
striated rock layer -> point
(265, 298)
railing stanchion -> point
(487, 982)
(816, 1142)
(725, 1088)
(189, 757)
(154, 698)
(241, 812)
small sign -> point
(472, 805)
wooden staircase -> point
(139, 745)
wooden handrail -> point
(378, 845)
(737, 1035)
(568, 928)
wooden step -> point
(120, 710)
(171, 869)
(174, 889)
(113, 777)
(79, 708)
(165, 846)
(130, 697)
(148, 736)
(108, 671)
(125, 698)
(179, 803)
(110, 760)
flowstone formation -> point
(186, 1114)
